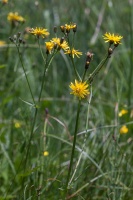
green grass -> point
(102, 162)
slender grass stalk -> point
(85, 138)
(75, 70)
(74, 143)
(131, 57)
(96, 71)
(47, 64)
(20, 58)
(74, 140)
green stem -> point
(74, 143)
(25, 75)
(47, 64)
(131, 57)
(75, 70)
(96, 71)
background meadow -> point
(105, 167)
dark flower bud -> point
(110, 51)
(55, 29)
(18, 34)
(62, 40)
(62, 28)
(20, 40)
(75, 28)
(11, 39)
(23, 41)
(88, 59)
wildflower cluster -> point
(67, 27)
(17, 39)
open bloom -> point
(49, 46)
(60, 44)
(123, 129)
(79, 89)
(2, 43)
(4, 1)
(73, 52)
(15, 17)
(123, 112)
(45, 153)
(39, 32)
(112, 38)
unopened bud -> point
(75, 28)
(62, 40)
(20, 40)
(110, 51)
(88, 59)
(11, 39)
(18, 34)
(55, 29)
(62, 28)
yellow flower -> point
(68, 27)
(4, 1)
(49, 46)
(45, 153)
(79, 89)
(39, 32)
(112, 38)
(60, 44)
(15, 17)
(2, 43)
(123, 112)
(73, 52)
(17, 125)
(123, 129)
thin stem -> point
(47, 64)
(96, 71)
(75, 70)
(41, 50)
(131, 57)
(74, 143)
(85, 138)
(25, 74)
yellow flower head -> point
(60, 44)
(112, 38)
(15, 17)
(68, 27)
(79, 89)
(49, 46)
(73, 52)
(2, 43)
(45, 153)
(123, 112)
(17, 125)
(4, 1)
(123, 129)
(39, 32)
